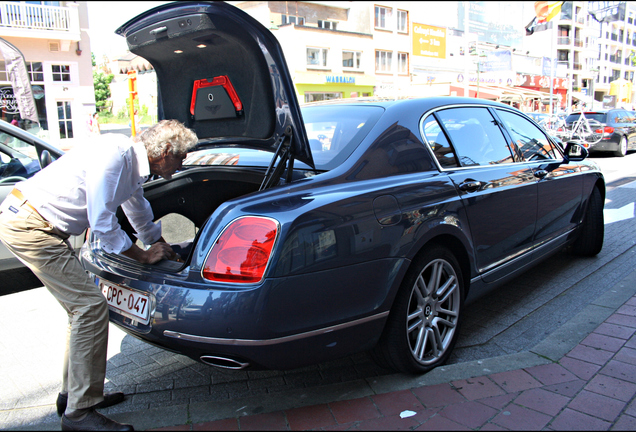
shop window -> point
(382, 17)
(317, 57)
(383, 61)
(402, 21)
(291, 19)
(61, 73)
(403, 63)
(331, 25)
(351, 59)
(65, 119)
(315, 96)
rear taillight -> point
(608, 130)
(242, 252)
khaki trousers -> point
(47, 252)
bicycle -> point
(588, 131)
(554, 125)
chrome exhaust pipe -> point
(223, 362)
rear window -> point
(334, 132)
(599, 117)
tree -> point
(102, 90)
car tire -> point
(592, 231)
(423, 325)
(622, 147)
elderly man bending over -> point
(81, 190)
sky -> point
(104, 17)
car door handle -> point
(469, 185)
(540, 173)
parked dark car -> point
(617, 125)
(373, 237)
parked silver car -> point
(22, 154)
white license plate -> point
(129, 303)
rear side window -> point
(532, 143)
(475, 136)
(437, 141)
(623, 117)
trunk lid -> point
(222, 74)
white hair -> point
(157, 136)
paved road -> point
(511, 320)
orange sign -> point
(429, 41)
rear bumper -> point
(282, 323)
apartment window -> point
(331, 25)
(403, 63)
(402, 21)
(291, 19)
(351, 59)
(65, 118)
(61, 73)
(383, 61)
(36, 73)
(34, 69)
(317, 57)
(382, 17)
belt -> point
(16, 193)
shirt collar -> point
(142, 158)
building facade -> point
(343, 49)
(53, 38)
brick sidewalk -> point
(592, 387)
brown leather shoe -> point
(110, 399)
(94, 421)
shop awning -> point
(582, 97)
(484, 93)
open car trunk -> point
(184, 204)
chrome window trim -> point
(460, 168)
(275, 341)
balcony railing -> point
(563, 40)
(31, 16)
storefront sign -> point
(8, 102)
(541, 81)
(429, 41)
(339, 79)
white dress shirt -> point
(84, 187)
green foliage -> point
(102, 91)
(93, 59)
(123, 112)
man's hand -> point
(157, 252)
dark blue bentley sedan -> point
(333, 228)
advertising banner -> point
(429, 41)
(496, 61)
(22, 93)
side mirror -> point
(45, 159)
(575, 151)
